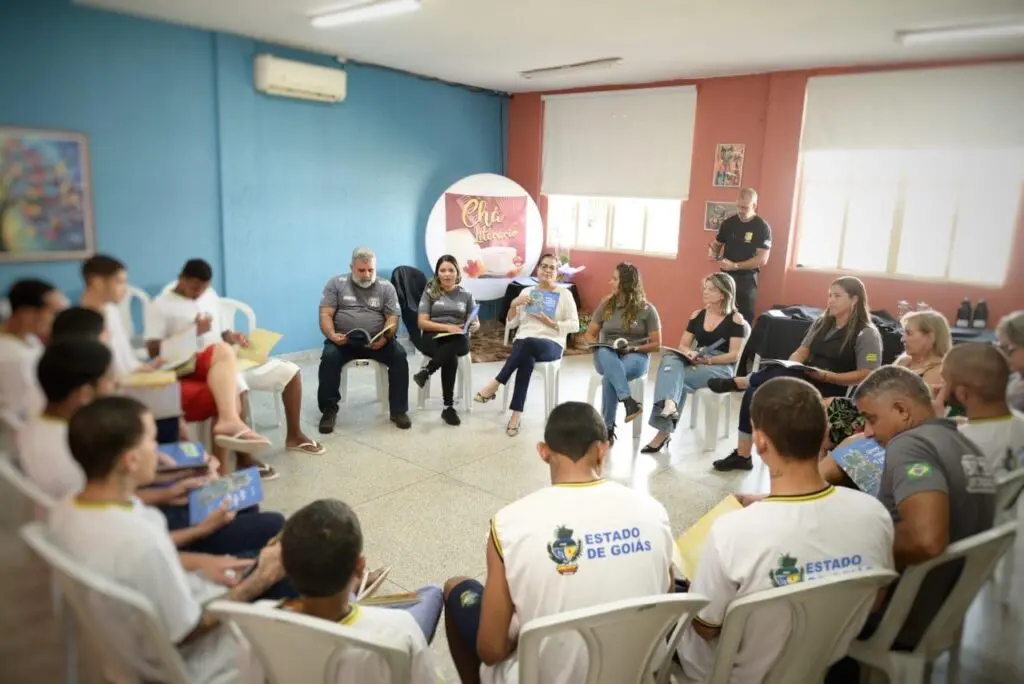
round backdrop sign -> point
(492, 228)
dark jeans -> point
(746, 293)
(526, 351)
(764, 375)
(444, 353)
(334, 358)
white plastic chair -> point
(549, 371)
(124, 308)
(637, 388)
(1008, 489)
(83, 589)
(36, 503)
(228, 310)
(627, 640)
(380, 376)
(463, 384)
(825, 616)
(980, 554)
(714, 405)
(5, 309)
(298, 648)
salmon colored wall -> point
(765, 112)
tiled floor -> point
(424, 497)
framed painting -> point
(729, 165)
(716, 212)
(45, 196)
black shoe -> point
(421, 377)
(633, 408)
(651, 449)
(611, 436)
(723, 385)
(327, 422)
(401, 421)
(451, 416)
(733, 462)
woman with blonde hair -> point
(718, 330)
(1010, 333)
(630, 324)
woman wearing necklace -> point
(718, 330)
(544, 315)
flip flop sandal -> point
(312, 448)
(481, 399)
(513, 430)
(267, 472)
(236, 442)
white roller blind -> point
(968, 107)
(622, 143)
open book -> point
(691, 542)
(261, 343)
(178, 351)
(361, 338)
(543, 302)
(785, 363)
(615, 345)
(863, 460)
(242, 488)
(689, 354)
(473, 315)
(405, 599)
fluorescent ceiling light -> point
(566, 69)
(957, 34)
(366, 11)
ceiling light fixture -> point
(592, 65)
(364, 11)
(959, 34)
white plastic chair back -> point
(1008, 489)
(229, 307)
(825, 615)
(625, 640)
(980, 553)
(32, 502)
(83, 590)
(298, 648)
(125, 308)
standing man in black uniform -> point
(741, 248)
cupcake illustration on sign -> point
(486, 234)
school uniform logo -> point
(787, 573)
(748, 236)
(564, 551)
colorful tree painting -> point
(45, 207)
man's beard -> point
(364, 282)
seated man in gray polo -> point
(359, 318)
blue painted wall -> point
(188, 160)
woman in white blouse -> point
(540, 338)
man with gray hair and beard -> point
(359, 318)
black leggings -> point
(444, 353)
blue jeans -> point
(427, 613)
(333, 359)
(675, 380)
(764, 375)
(617, 371)
(526, 351)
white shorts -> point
(270, 377)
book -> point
(405, 599)
(691, 542)
(242, 488)
(785, 363)
(186, 455)
(615, 345)
(473, 315)
(361, 338)
(178, 352)
(149, 379)
(543, 302)
(689, 354)
(864, 461)
(261, 343)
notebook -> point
(178, 352)
(149, 379)
(543, 302)
(186, 455)
(242, 488)
(261, 343)
(864, 461)
(465, 328)
(691, 542)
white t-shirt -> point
(359, 665)
(778, 542)
(576, 546)
(20, 395)
(125, 359)
(566, 315)
(46, 459)
(130, 545)
(1001, 440)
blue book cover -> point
(542, 302)
(473, 315)
(863, 460)
(185, 454)
(242, 487)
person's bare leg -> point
(744, 447)
(222, 380)
(291, 397)
(742, 383)
(491, 388)
(467, 662)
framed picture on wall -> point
(729, 165)
(45, 196)
(716, 212)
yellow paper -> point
(261, 343)
(691, 542)
(150, 379)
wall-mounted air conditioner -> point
(285, 78)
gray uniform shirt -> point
(867, 345)
(936, 457)
(451, 308)
(359, 307)
(613, 327)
